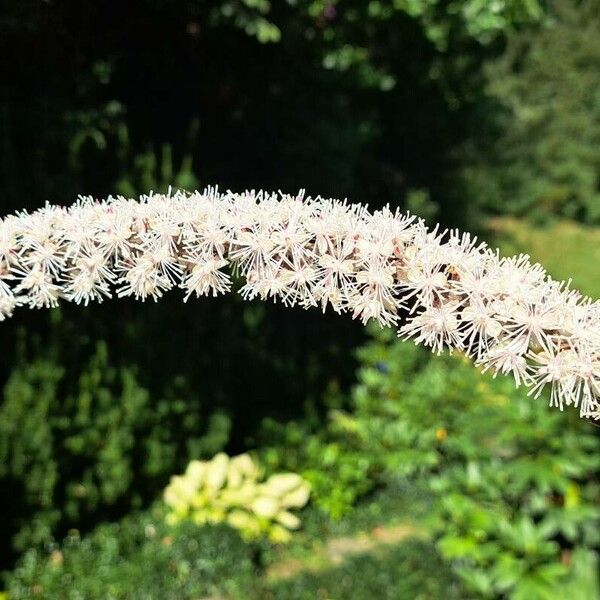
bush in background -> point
(231, 490)
(139, 558)
(79, 448)
(508, 490)
(516, 491)
(540, 153)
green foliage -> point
(77, 449)
(419, 203)
(508, 493)
(229, 490)
(480, 20)
(312, 86)
(338, 477)
(410, 570)
(390, 433)
(519, 502)
(543, 155)
(517, 491)
(143, 557)
(139, 558)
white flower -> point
(533, 323)
(516, 278)
(90, 277)
(452, 291)
(206, 277)
(8, 242)
(584, 385)
(559, 369)
(299, 278)
(480, 328)
(8, 302)
(38, 288)
(375, 295)
(142, 278)
(335, 274)
(252, 249)
(506, 358)
(435, 327)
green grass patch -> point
(411, 571)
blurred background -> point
(427, 480)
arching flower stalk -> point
(442, 289)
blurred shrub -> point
(542, 154)
(338, 476)
(517, 484)
(143, 558)
(390, 431)
(519, 498)
(419, 203)
(229, 490)
(91, 445)
(411, 570)
(139, 558)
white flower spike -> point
(442, 289)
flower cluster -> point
(442, 289)
(230, 490)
